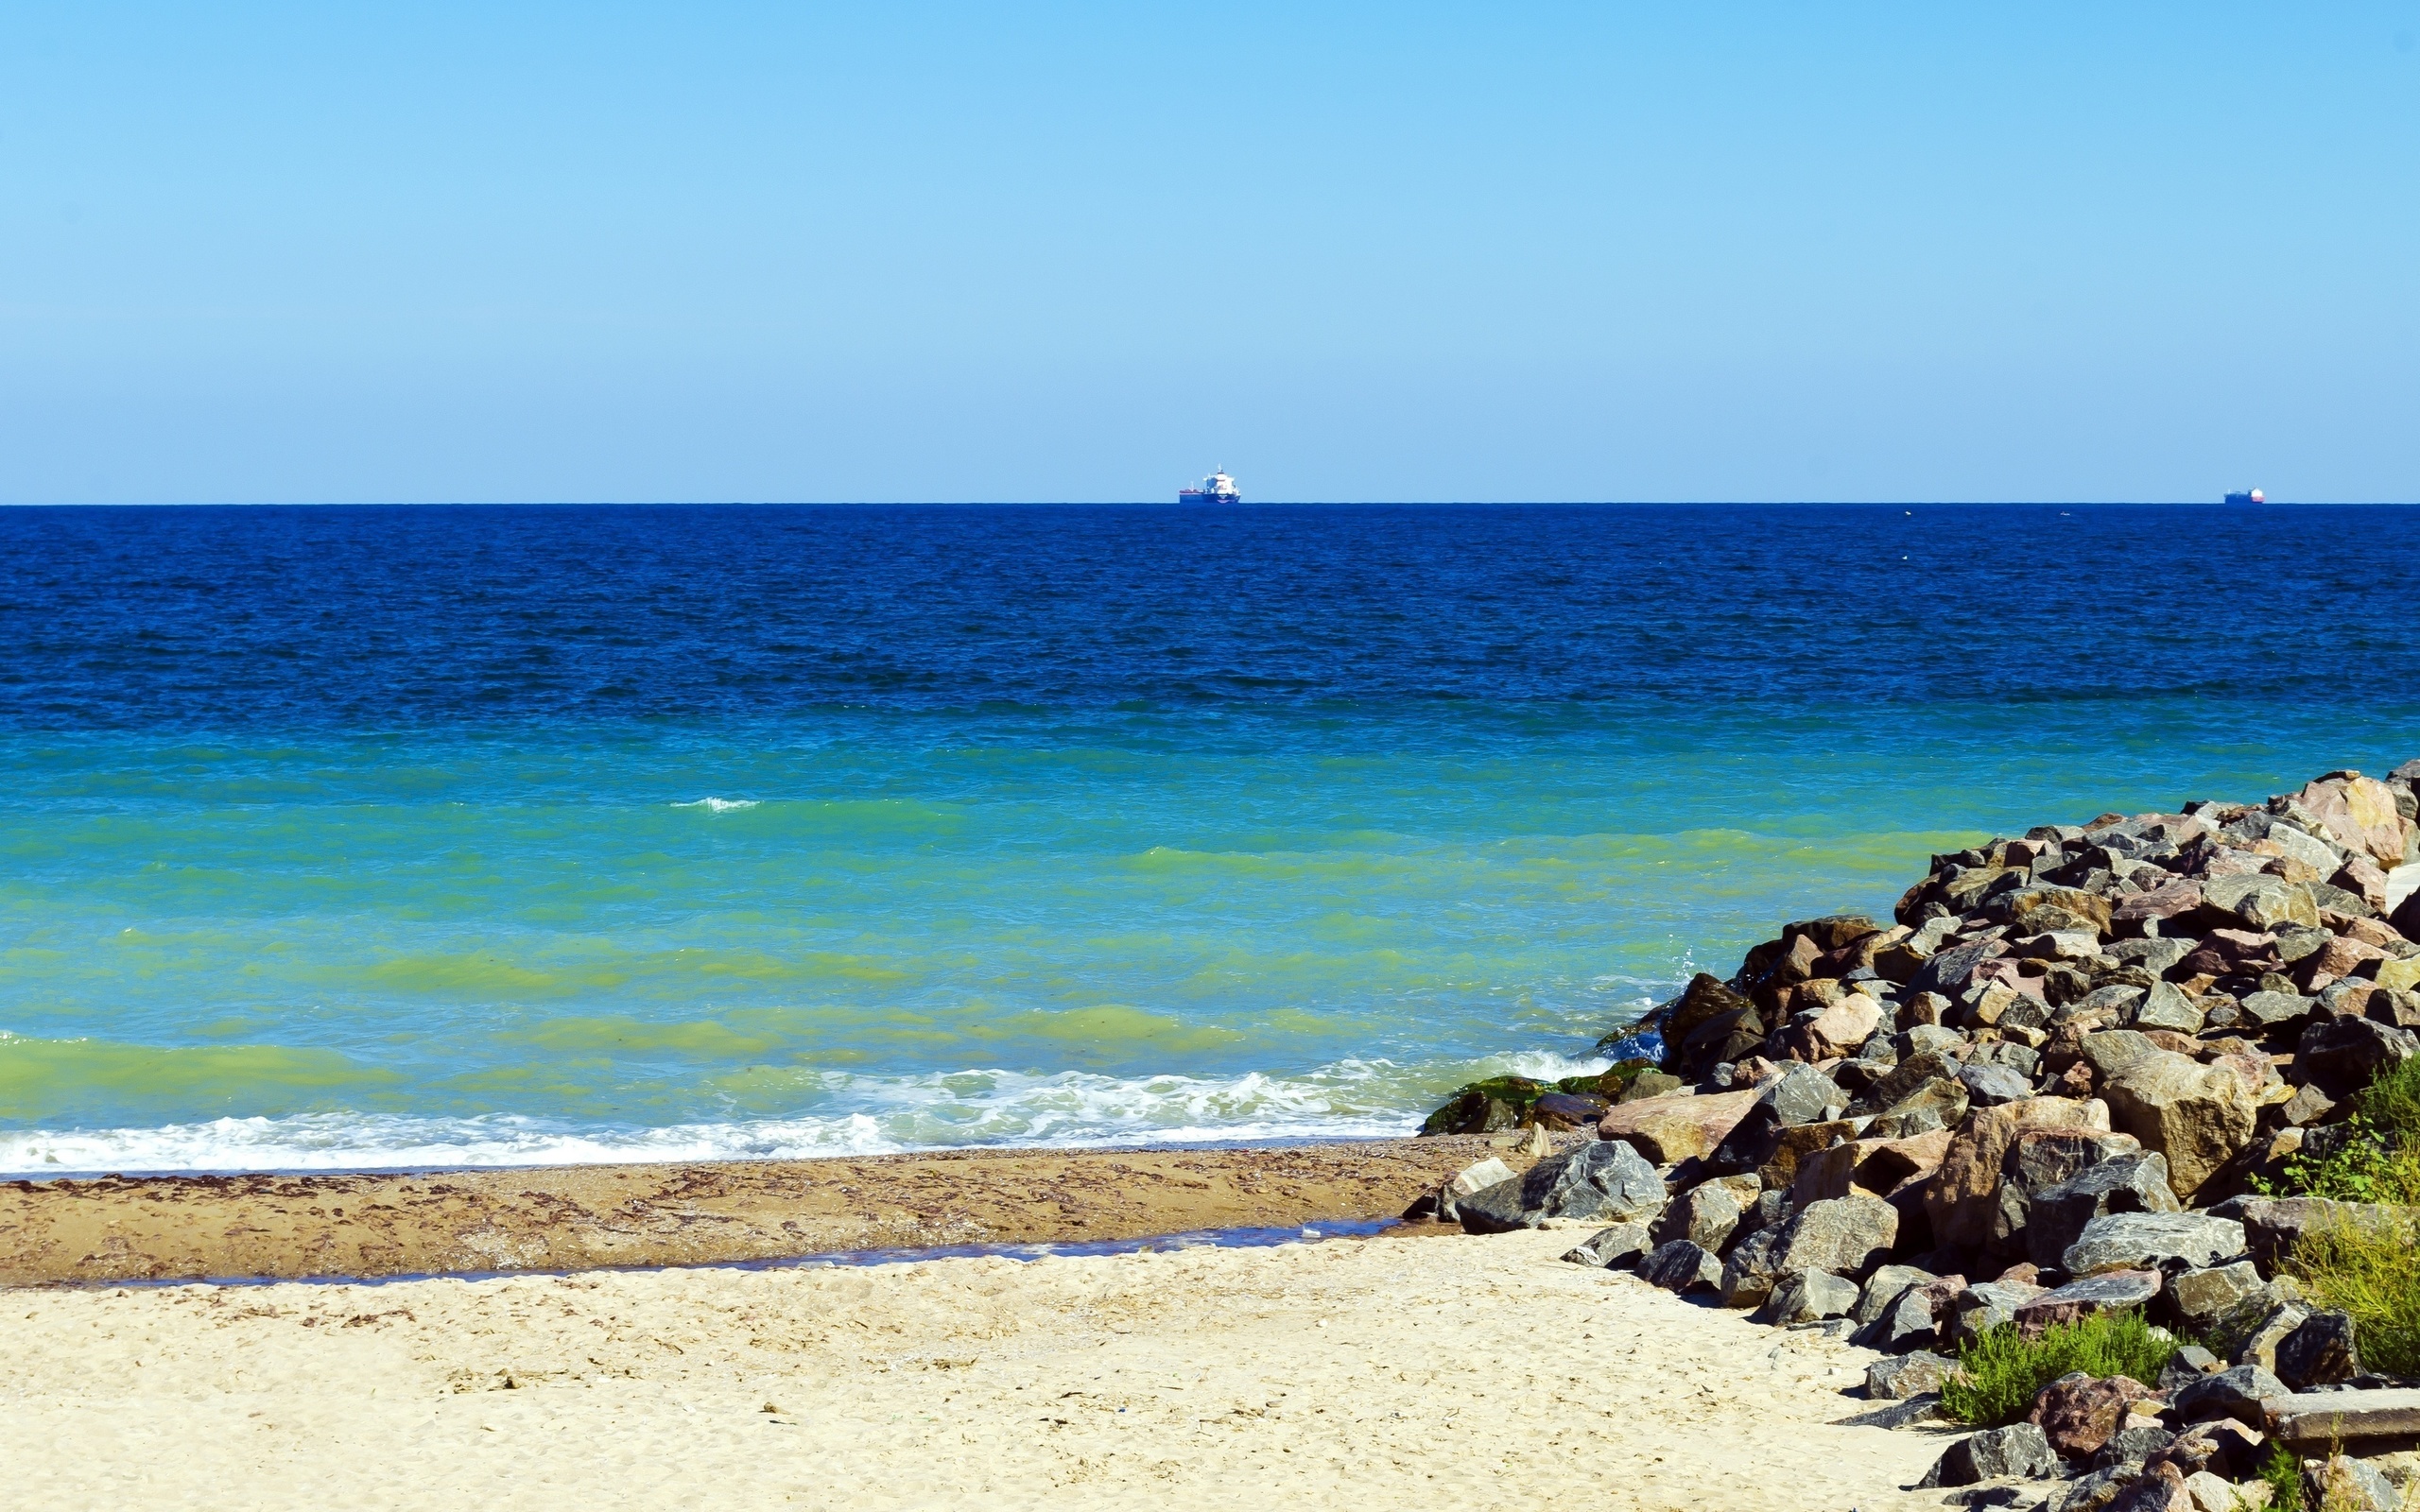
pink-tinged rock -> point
(1878, 1166)
(2164, 901)
(2375, 932)
(2339, 956)
(2361, 876)
(1963, 1197)
(1669, 1130)
(1849, 1023)
(2368, 808)
(2077, 1416)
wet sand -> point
(578, 1217)
(1467, 1372)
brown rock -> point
(1878, 1166)
(2079, 1412)
(2197, 1116)
(1963, 1197)
(1671, 1130)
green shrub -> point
(2380, 1160)
(2367, 1273)
(1999, 1374)
(2283, 1471)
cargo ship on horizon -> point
(1216, 488)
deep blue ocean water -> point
(383, 837)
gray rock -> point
(1938, 1102)
(2140, 1241)
(2165, 1007)
(1907, 1324)
(1884, 1287)
(1848, 1236)
(2110, 1051)
(2320, 1351)
(2250, 1332)
(1907, 1375)
(2343, 1483)
(1611, 1247)
(1704, 1215)
(1808, 1297)
(1478, 1177)
(2235, 1393)
(2157, 954)
(1923, 1407)
(2093, 1492)
(1949, 970)
(2109, 1292)
(1917, 1039)
(2260, 901)
(2277, 1010)
(2202, 1296)
(1982, 1308)
(2017, 1451)
(2341, 1054)
(1603, 1179)
(2129, 1447)
(2058, 1216)
(1681, 1266)
(1988, 1086)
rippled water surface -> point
(446, 835)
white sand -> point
(1480, 1373)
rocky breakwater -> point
(2054, 1085)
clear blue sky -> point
(1351, 252)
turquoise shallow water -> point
(259, 937)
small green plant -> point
(2366, 1271)
(2366, 1167)
(1999, 1374)
(2283, 1472)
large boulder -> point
(2321, 1352)
(1604, 1180)
(1962, 1198)
(2109, 1292)
(2057, 1217)
(2018, 1451)
(1847, 1236)
(2078, 1412)
(1808, 1297)
(2237, 1393)
(2197, 1116)
(2204, 1296)
(2259, 901)
(1610, 1247)
(1879, 1166)
(1800, 1096)
(1704, 1215)
(2341, 1054)
(1671, 1130)
(1681, 1266)
(2153, 1240)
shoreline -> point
(503, 1219)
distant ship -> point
(1216, 488)
(2256, 496)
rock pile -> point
(2049, 1088)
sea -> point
(433, 836)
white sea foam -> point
(720, 805)
(871, 1116)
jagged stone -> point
(1962, 1198)
(2235, 1393)
(1470, 1179)
(1681, 1266)
(1848, 1236)
(1704, 1215)
(2079, 1412)
(2343, 1055)
(2342, 1483)
(2130, 1446)
(2201, 1297)
(2320, 1351)
(2197, 1116)
(1808, 1297)
(2018, 1451)
(2109, 1292)
(1900, 1377)
(2151, 1240)
(1989, 1086)
(2057, 1217)
(1985, 1306)
(1669, 1129)
(1611, 1246)
(1604, 1179)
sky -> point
(1403, 251)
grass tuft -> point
(2366, 1271)
(2283, 1472)
(2000, 1373)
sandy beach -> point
(193, 1228)
(1481, 1373)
